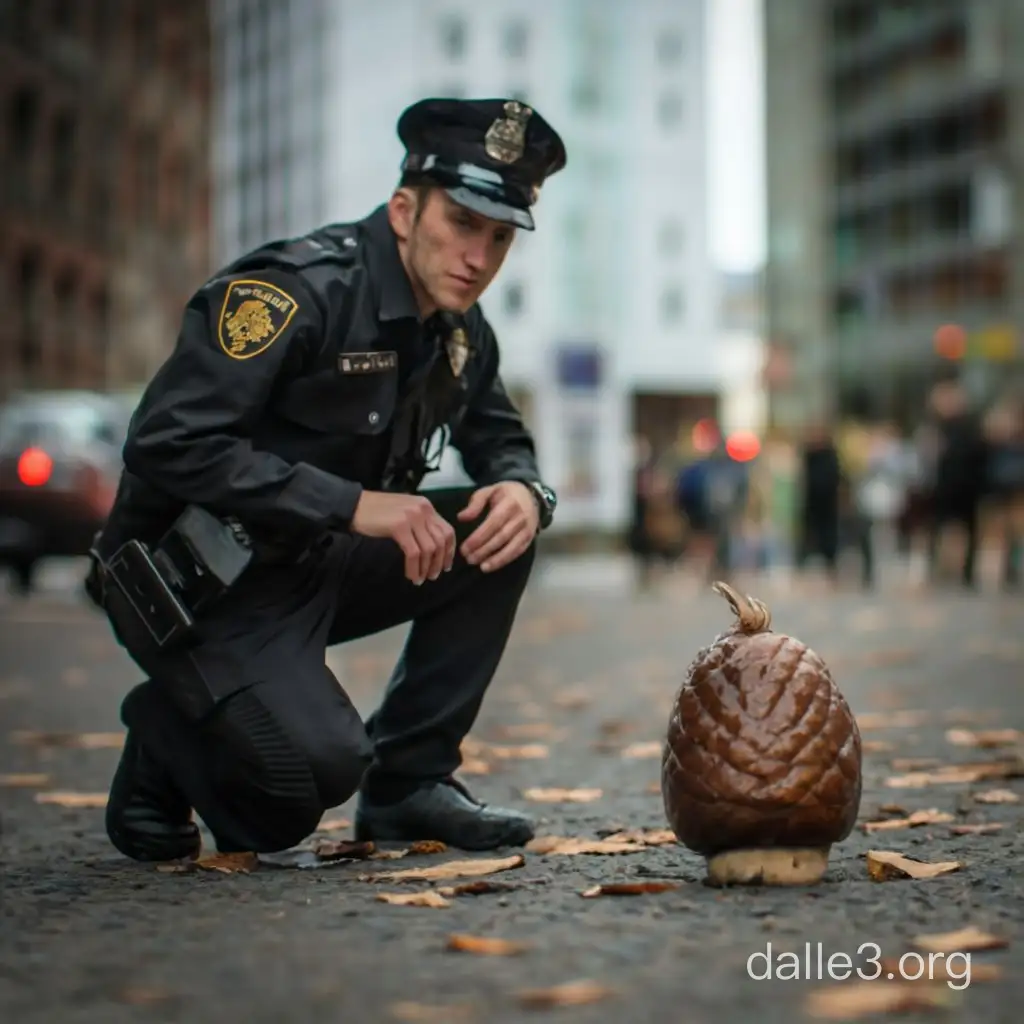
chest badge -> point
(458, 351)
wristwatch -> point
(547, 501)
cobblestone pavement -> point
(586, 687)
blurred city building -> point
(607, 314)
(895, 213)
(105, 203)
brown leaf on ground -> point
(558, 796)
(571, 993)
(424, 846)
(628, 889)
(343, 849)
(452, 869)
(649, 837)
(985, 738)
(892, 809)
(479, 888)
(573, 699)
(229, 863)
(964, 940)
(138, 995)
(71, 740)
(526, 752)
(654, 788)
(474, 766)
(891, 719)
(932, 816)
(997, 796)
(486, 946)
(333, 824)
(388, 855)
(969, 716)
(612, 727)
(953, 774)
(983, 829)
(414, 899)
(885, 865)
(914, 764)
(66, 798)
(891, 656)
(635, 751)
(573, 846)
(876, 746)
(532, 731)
(23, 780)
(937, 971)
(421, 1013)
(852, 1000)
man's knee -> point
(281, 781)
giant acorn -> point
(761, 771)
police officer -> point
(303, 403)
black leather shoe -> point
(443, 811)
(146, 819)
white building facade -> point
(613, 294)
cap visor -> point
(491, 208)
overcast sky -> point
(736, 140)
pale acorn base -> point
(778, 866)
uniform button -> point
(374, 418)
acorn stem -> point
(752, 615)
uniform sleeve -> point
(191, 435)
(492, 438)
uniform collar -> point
(395, 299)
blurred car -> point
(60, 461)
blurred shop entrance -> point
(661, 417)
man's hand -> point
(427, 540)
(507, 531)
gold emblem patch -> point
(253, 317)
(506, 138)
(458, 350)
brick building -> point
(104, 208)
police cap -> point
(491, 156)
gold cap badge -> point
(506, 138)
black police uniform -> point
(303, 373)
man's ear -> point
(402, 212)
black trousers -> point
(282, 742)
(963, 513)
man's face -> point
(451, 253)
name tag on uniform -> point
(367, 362)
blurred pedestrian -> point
(821, 481)
(1005, 432)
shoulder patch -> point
(253, 317)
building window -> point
(453, 37)
(63, 158)
(670, 109)
(669, 47)
(671, 305)
(24, 127)
(147, 170)
(63, 16)
(30, 292)
(515, 39)
(670, 238)
(515, 299)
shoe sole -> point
(491, 839)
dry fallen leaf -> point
(572, 846)
(229, 863)
(343, 849)
(532, 731)
(421, 1013)
(452, 869)
(962, 941)
(65, 798)
(985, 738)
(136, 995)
(649, 837)
(852, 1000)
(414, 899)
(953, 774)
(573, 699)
(651, 748)
(875, 746)
(884, 865)
(486, 946)
(571, 993)
(891, 719)
(985, 829)
(333, 824)
(424, 846)
(474, 766)
(557, 796)
(628, 889)
(913, 764)
(74, 676)
(23, 780)
(525, 752)
(932, 816)
(892, 809)
(997, 796)
(76, 740)
(478, 888)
